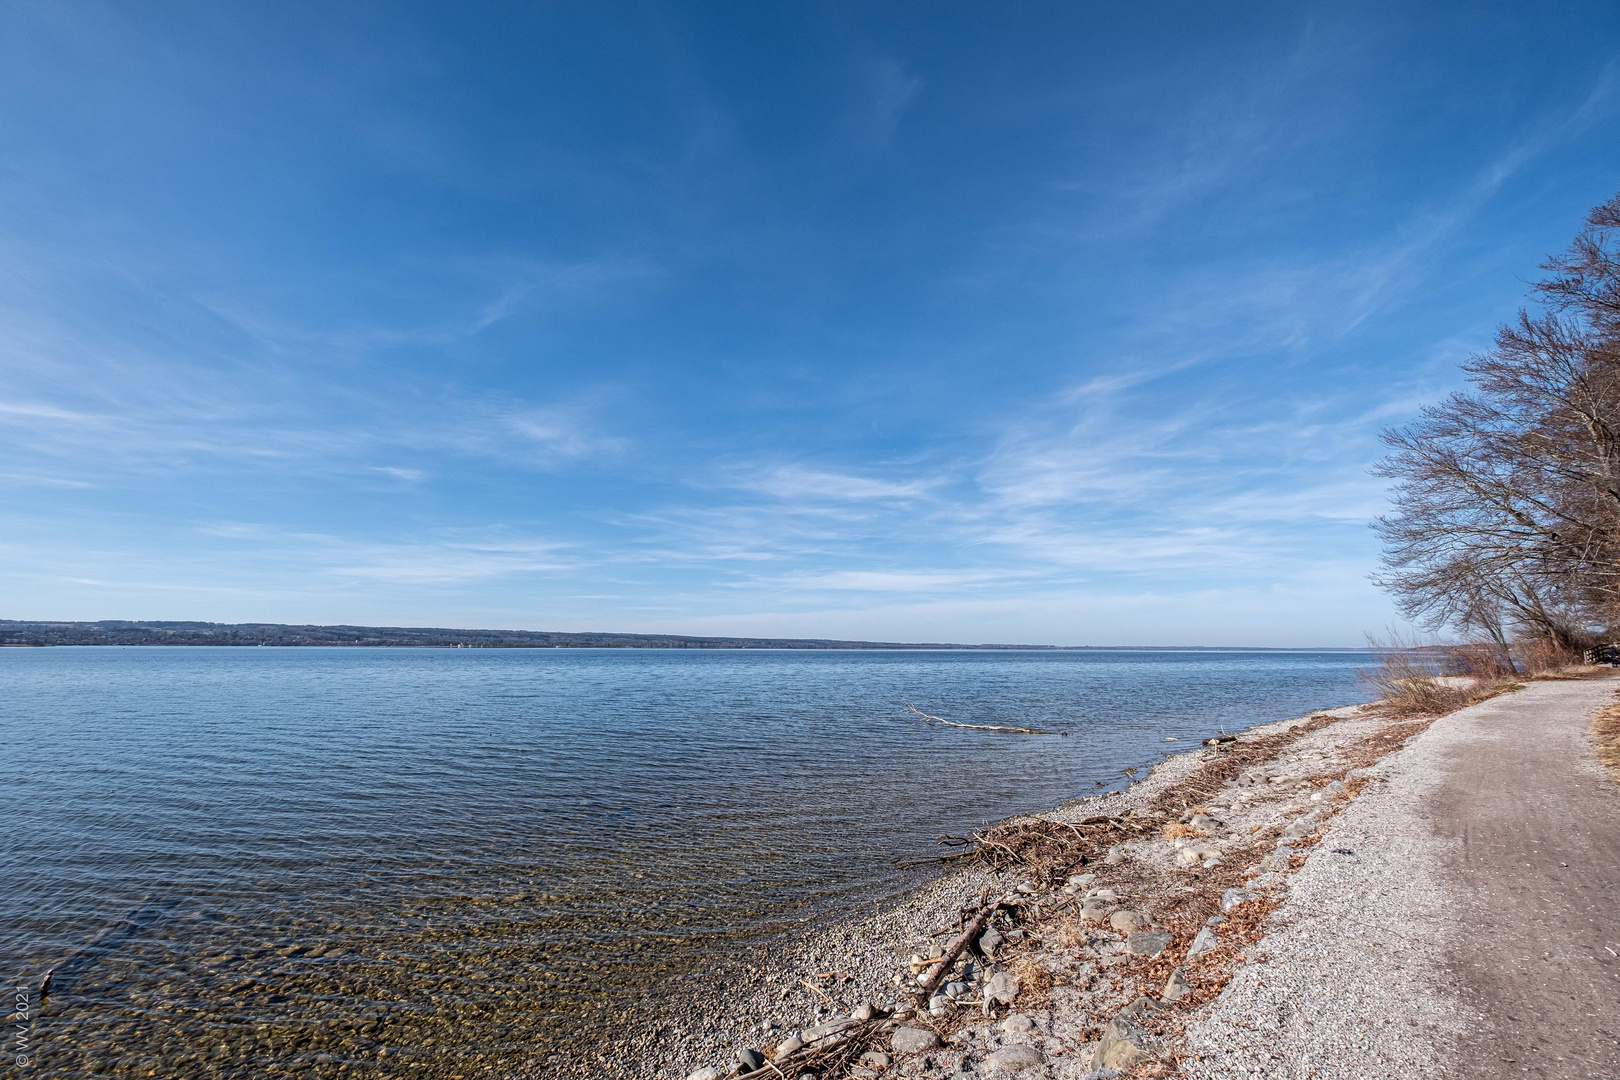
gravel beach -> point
(1310, 914)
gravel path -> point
(1436, 929)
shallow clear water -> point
(420, 861)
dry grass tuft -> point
(1178, 831)
(1033, 979)
(1410, 682)
(1606, 736)
(1070, 934)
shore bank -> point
(1202, 889)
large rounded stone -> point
(1015, 1058)
(1128, 922)
(1149, 943)
(910, 1040)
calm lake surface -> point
(416, 862)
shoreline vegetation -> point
(1096, 936)
(19, 632)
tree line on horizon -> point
(1506, 519)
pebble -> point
(910, 1040)
(875, 1059)
(1195, 853)
(1094, 911)
(1017, 1024)
(708, 1072)
(1149, 943)
(750, 1060)
(792, 1045)
(1003, 986)
(939, 1005)
(1080, 881)
(1205, 941)
(1127, 922)
(1176, 987)
(1231, 898)
(990, 941)
(1115, 856)
(864, 1012)
(1028, 888)
(954, 990)
(1015, 1058)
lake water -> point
(416, 862)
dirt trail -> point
(1532, 830)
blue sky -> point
(971, 322)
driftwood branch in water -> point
(977, 727)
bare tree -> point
(1507, 497)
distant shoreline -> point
(19, 633)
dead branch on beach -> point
(937, 973)
(977, 727)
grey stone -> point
(1115, 856)
(1127, 922)
(1301, 827)
(1082, 880)
(1231, 898)
(1176, 987)
(864, 1012)
(1205, 941)
(708, 1072)
(1204, 821)
(792, 1045)
(750, 1060)
(954, 990)
(1028, 888)
(1126, 1040)
(1094, 911)
(821, 1031)
(1015, 1058)
(1101, 1074)
(910, 1040)
(990, 941)
(1017, 1024)
(875, 1059)
(1002, 986)
(1149, 943)
(939, 1005)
